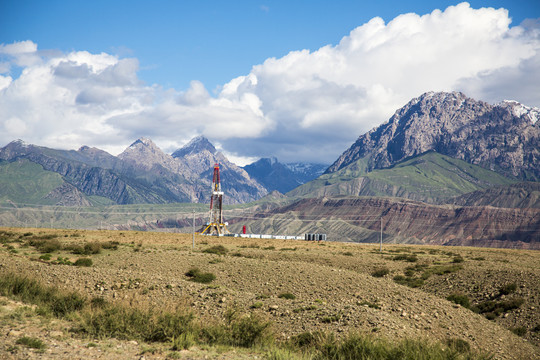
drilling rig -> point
(216, 226)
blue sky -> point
(210, 41)
(171, 65)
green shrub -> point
(31, 342)
(197, 276)
(61, 305)
(330, 318)
(98, 302)
(270, 248)
(366, 347)
(183, 342)
(508, 289)
(458, 259)
(491, 309)
(217, 249)
(307, 340)
(440, 270)
(83, 262)
(62, 261)
(46, 245)
(369, 304)
(287, 296)
(239, 330)
(519, 331)
(348, 253)
(257, 305)
(406, 257)
(45, 257)
(460, 299)
(110, 245)
(124, 322)
(32, 291)
(459, 345)
(409, 281)
(75, 249)
(92, 248)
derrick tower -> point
(216, 226)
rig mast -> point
(216, 226)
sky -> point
(298, 80)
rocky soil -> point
(332, 284)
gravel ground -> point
(331, 282)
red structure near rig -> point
(216, 225)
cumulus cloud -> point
(307, 105)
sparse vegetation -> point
(45, 257)
(492, 309)
(381, 272)
(365, 347)
(406, 257)
(458, 345)
(309, 273)
(83, 262)
(369, 304)
(305, 308)
(217, 249)
(460, 299)
(331, 318)
(257, 305)
(31, 342)
(197, 276)
(508, 289)
(412, 282)
(519, 331)
(31, 291)
(287, 296)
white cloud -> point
(303, 106)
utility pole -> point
(193, 223)
(380, 249)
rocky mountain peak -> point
(500, 137)
(519, 110)
(195, 146)
(143, 142)
(141, 147)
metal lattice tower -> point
(216, 226)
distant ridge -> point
(283, 177)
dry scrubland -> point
(295, 299)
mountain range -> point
(469, 170)
(142, 173)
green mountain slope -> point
(23, 181)
(430, 177)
